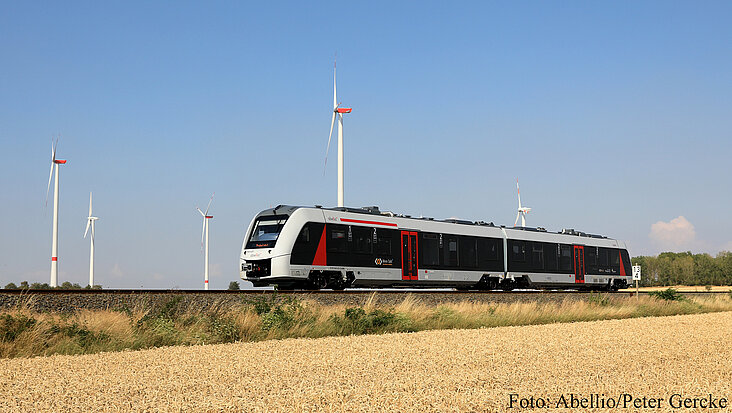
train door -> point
(579, 264)
(409, 256)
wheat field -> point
(447, 370)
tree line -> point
(38, 286)
(685, 268)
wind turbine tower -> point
(204, 237)
(90, 225)
(54, 244)
(522, 211)
(337, 111)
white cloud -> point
(676, 235)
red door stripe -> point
(358, 221)
(320, 256)
(622, 267)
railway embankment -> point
(69, 301)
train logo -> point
(383, 261)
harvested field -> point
(448, 370)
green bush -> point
(234, 286)
(223, 328)
(669, 294)
(11, 286)
(157, 328)
(356, 320)
(11, 327)
(81, 335)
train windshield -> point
(266, 231)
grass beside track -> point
(24, 333)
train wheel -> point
(317, 281)
(507, 285)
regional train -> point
(315, 248)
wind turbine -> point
(54, 244)
(204, 235)
(90, 224)
(337, 110)
(522, 211)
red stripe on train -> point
(320, 256)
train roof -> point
(374, 210)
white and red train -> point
(337, 248)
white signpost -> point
(636, 277)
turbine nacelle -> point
(522, 210)
(90, 220)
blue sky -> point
(616, 117)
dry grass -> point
(449, 370)
(25, 334)
(687, 288)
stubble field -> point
(448, 370)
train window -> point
(338, 240)
(383, 244)
(304, 234)
(362, 240)
(591, 260)
(429, 249)
(487, 252)
(467, 252)
(451, 252)
(565, 259)
(518, 251)
(266, 231)
(550, 257)
(537, 255)
(590, 256)
(614, 256)
(602, 257)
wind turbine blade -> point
(200, 212)
(335, 100)
(330, 135)
(203, 229)
(518, 191)
(48, 188)
(209, 204)
(517, 218)
(90, 204)
(88, 223)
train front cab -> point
(265, 256)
